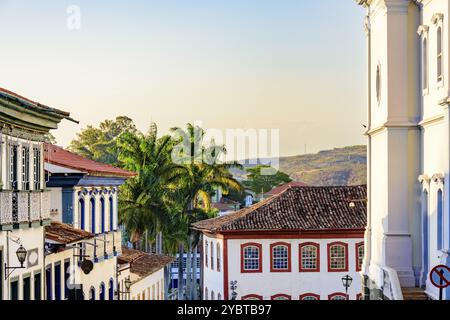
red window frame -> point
(281, 295)
(330, 245)
(340, 294)
(276, 244)
(310, 295)
(317, 245)
(251, 244)
(357, 246)
(255, 296)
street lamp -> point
(347, 282)
(21, 254)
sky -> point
(293, 65)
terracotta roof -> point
(141, 263)
(33, 104)
(284, 187)
(65, 234)
(58, 156)
(225, 204)
(298, 209)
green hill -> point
(341, 166)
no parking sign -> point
(440, 278)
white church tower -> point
(408, 145)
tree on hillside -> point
(260, 182)
(99, 144)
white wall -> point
(292, 283)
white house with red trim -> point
(297, 245)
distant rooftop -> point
(284, 187)
(143, 264)
(58, 157)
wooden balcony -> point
(17, 207)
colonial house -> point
(408, 134)
(297, 245)
(24, 200)
(84, 202)
(142, 276)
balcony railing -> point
(24, 206)
(104, 245)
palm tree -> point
(143, 198)
(204, 174)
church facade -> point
(408, 134)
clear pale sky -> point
(296, 65)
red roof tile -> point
(143, 264)
(65, 234)
(298, 209)
(284, 187)
(59, 156)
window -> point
(252, 297)
(338, 296)
(359, 255)
(280, 257)
(212, 256)
(439, 54)
(27, 288)
(280, 297)
(37, 286)
(14, 289)
(102, 208)
(58, 281)
(81, 214)
(206, 293)
(111, 290)
(111, 214)
(251, 258)
(48, 282)
(309, 297)
(206, 253)
(67, 283)
(92, 294)
(219, 297)
(13, 157)
(37, 168)
(213, 297)
(425, 64)
(218, 257)
(440, 220)
(359, 296)
(337, 257)
(25, 168)
(92, 202)
(102, 291)
(309, 257)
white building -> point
(24, 200)
(408, 141)
(296, 245)
(84, 197)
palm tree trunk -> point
(180, 273)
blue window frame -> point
(102, 205)
(111, 290)
(102, 291)
(111, 214)
(93, 215)
(82, 214)
(440, 220)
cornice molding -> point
(438, 178)
(423, 31)
(437, 18)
